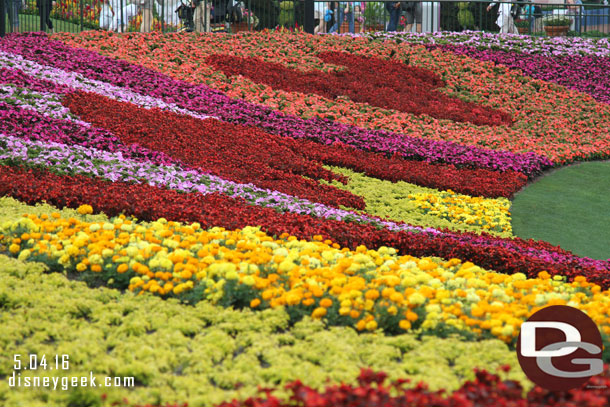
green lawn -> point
(570, 208)
(29, 22)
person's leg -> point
(350, 21)
(409, 16)
(418, 17)
(338, 20)
(47, 16)
(511, 25)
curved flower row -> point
(489, 215)
(76, 160)
(550, 121)
(547, 46)
(587, 74)
(470, 181)
(150, 203)
(367, 289)
(237, 153)
(203, 100)
(204, 354)
(381, 83)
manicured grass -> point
(570, 207)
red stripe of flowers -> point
(387, 84)
(373, 390)
(476, 182)
(150, 203)
(241, 154)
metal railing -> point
(312, 16)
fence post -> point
(41, 10)
(82, 15)
(309, 17)
(2, 19)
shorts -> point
(414, 14)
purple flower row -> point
(203, 100)
(588, 74)
(548, 46)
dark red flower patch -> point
(238, 153)
(476, 182)
(247, 154)
(150, 203)
(387, 84)
(486, 390)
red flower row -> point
(238, 153)
(150, 203)
(486, 390)
(476, 182)
(247, 154)
(388, 84)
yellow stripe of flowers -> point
(368, 289)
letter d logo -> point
(555, 344)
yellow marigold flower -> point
(344, 311)
(392, 310)
(14, 248)
(318, 313)
(81, 267)
(249, 280)
(255, 303)
(417, 299)
(544, 275)
(326, 302)
(85, 209)
(292, 298)
(411, 316)
(361, 325)
(404, 324)
(308, 301)
(371, 294)
(371, 325)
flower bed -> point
(549, 120)
(246, 216)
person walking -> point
(44, 8)
(505, 19)
(413, 14)
(344, 10)
(394, 9)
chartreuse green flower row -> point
(429, 207)
(364, 289)
(204, 353)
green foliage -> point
(199, 354)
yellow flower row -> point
(368, 289)
(488, 213)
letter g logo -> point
(555, 343)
